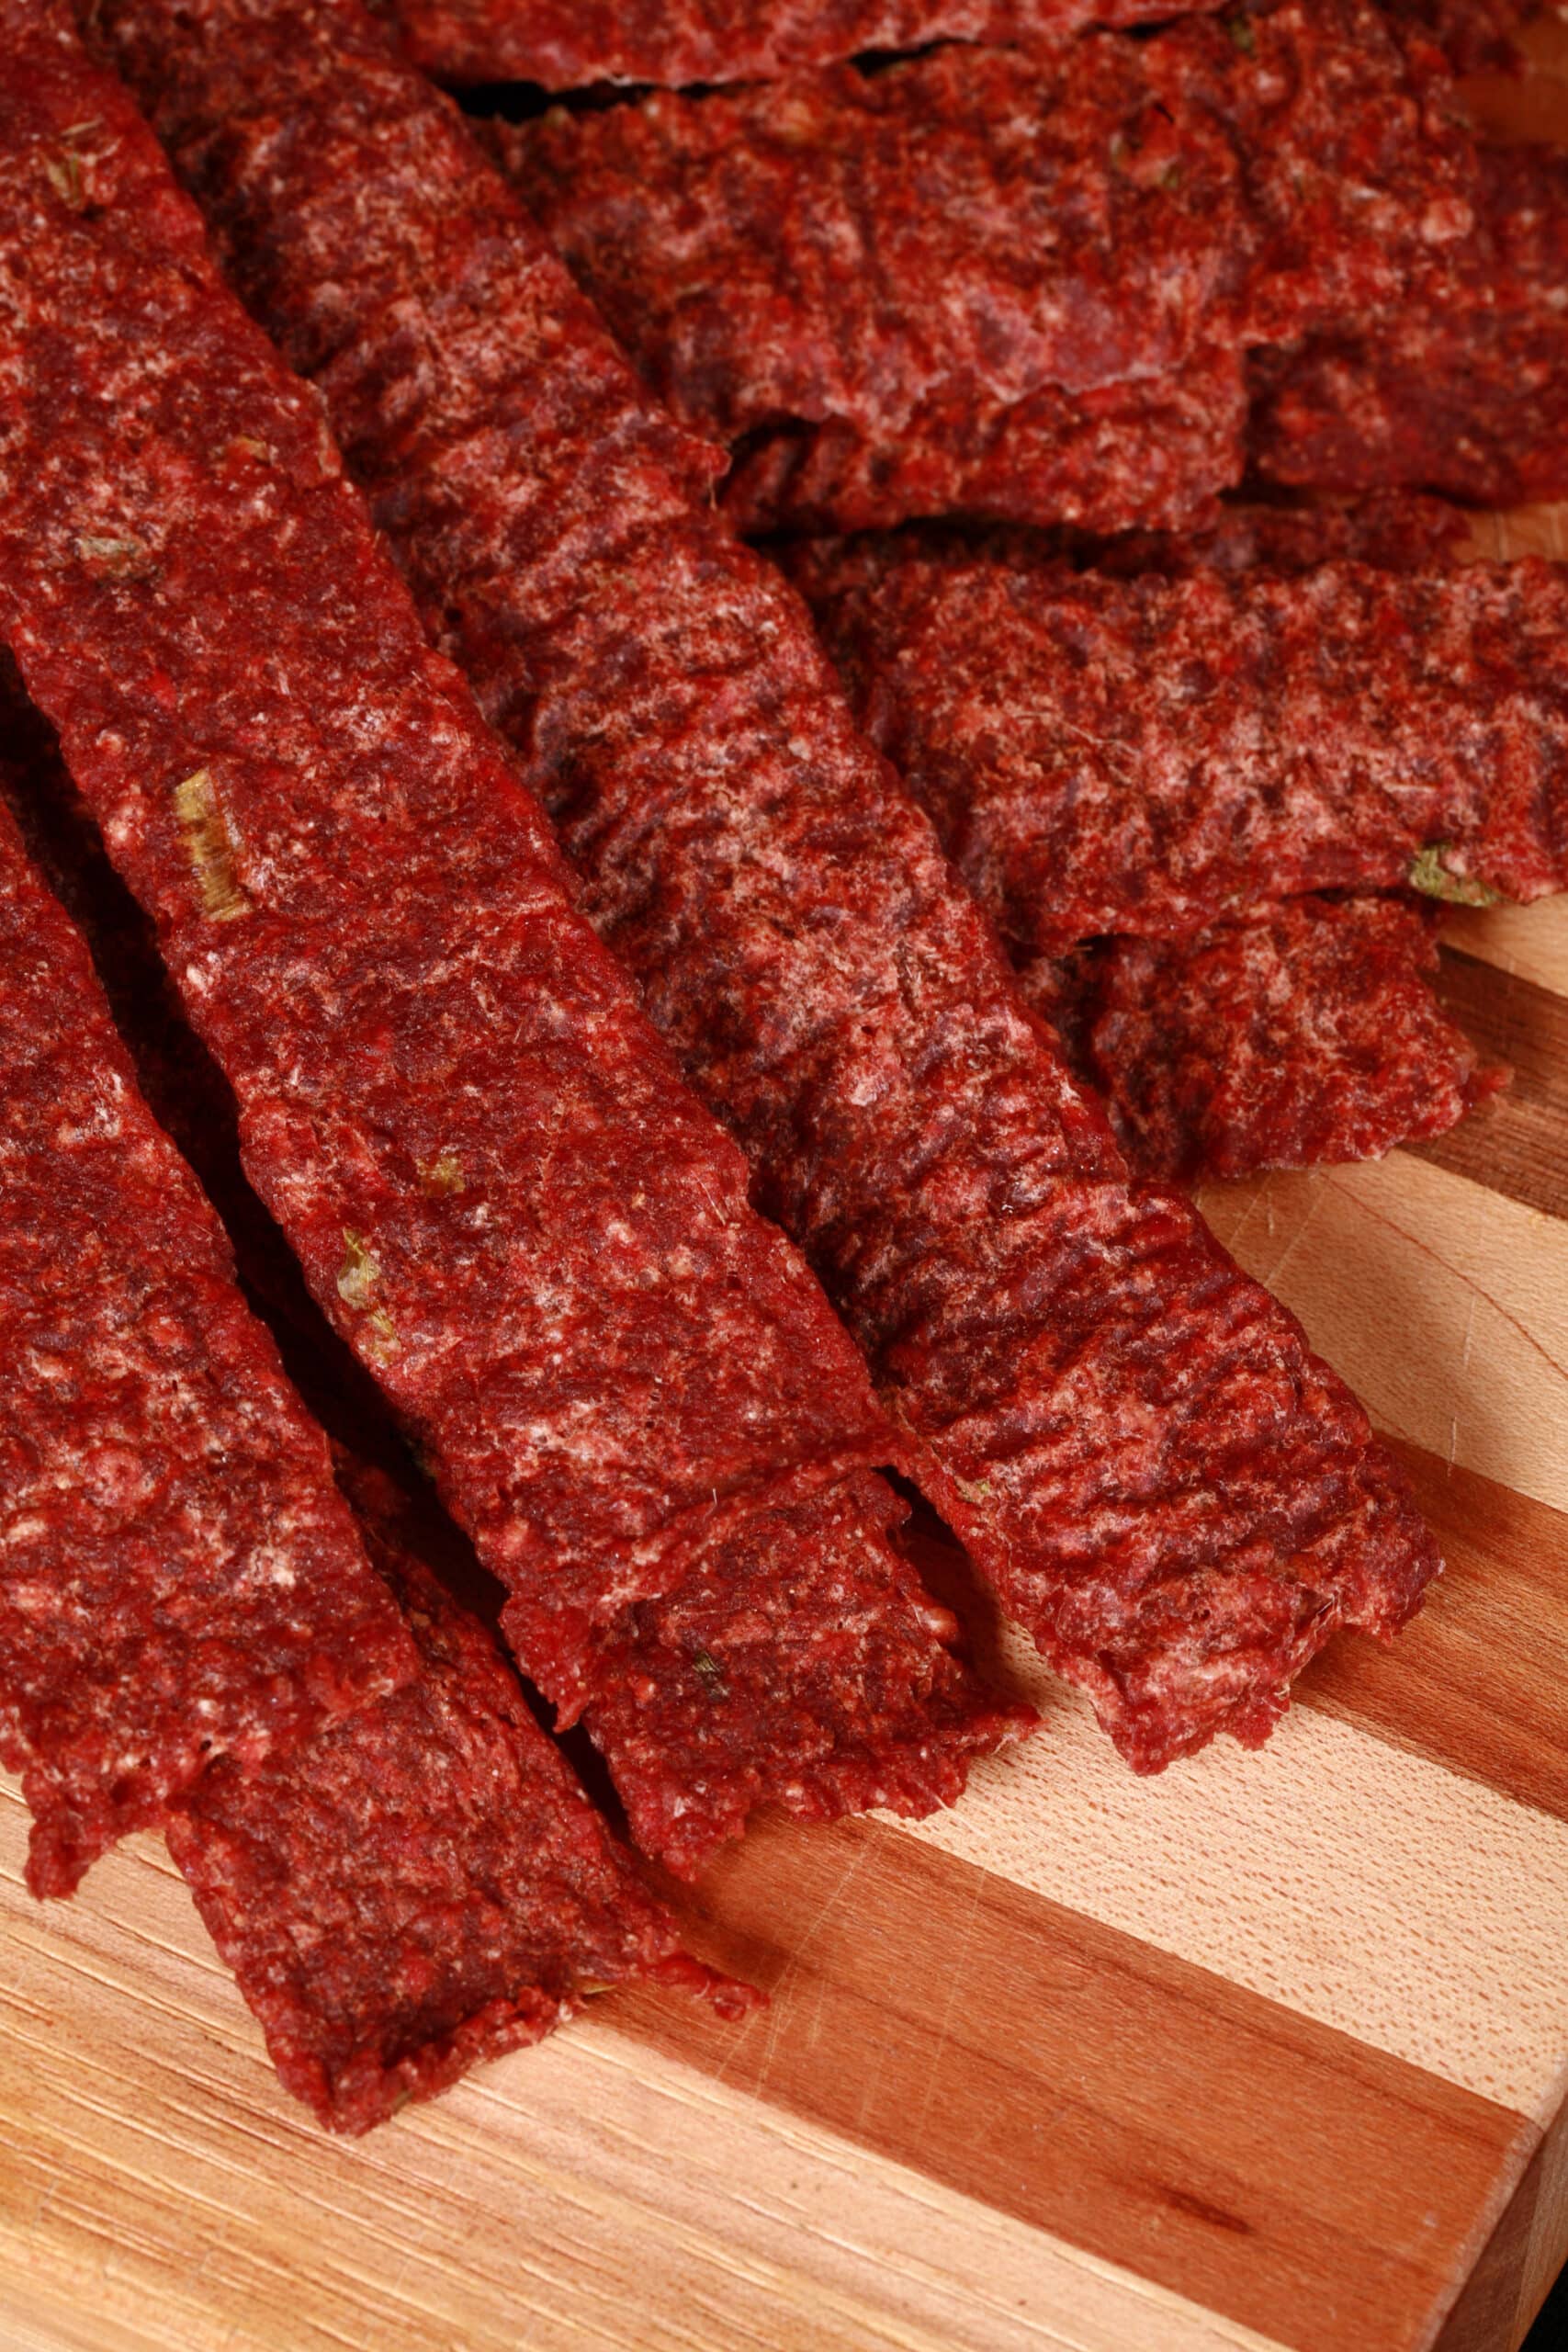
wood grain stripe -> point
(1534, 106)
(595, 2195)
(1480, 1681)
(1102, 2089)
(1522, 530)
(1530, 941)
(1444, 1304)
(1350, 1880)
(1522, 2256)
(1517, 1143)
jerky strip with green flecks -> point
(1145, 756)
(619, 1372)
(1176, 1498)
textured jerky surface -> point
(820, 1691)
(1150, 755)
(187, 1092)
(1463, 391)
(1306, 1034)
(1470, 33)
(499, 1192)
(1173, 1495)
(1284, 532)
(962, 281)
(833, 1695)
(424, 1886)
(179, 1580)
(1397, 530)
(566, 43)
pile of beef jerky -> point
(1067, 295)
(514, 946)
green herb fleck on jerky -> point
(441, 1175)
(210, 846)
(712, 1673)
(1241, 32)
(1432, 878)
(67, 169)
(359, 1272)
(357, 1280)
(114, 559)
(379, 1338)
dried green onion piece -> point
(210, 846)
(1429, 875)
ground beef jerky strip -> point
(1463, 392)
(953, 283)
(1169, 1490)
(1148, 452)
(179, 1580)
(566, 43)
(426, 1885)
(447, 1095)
(816, 1632)
(1150, 755)
(1307, 1033)
(793, 1661)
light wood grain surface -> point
(1271, 2052)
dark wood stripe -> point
(1263, 2166)
(1515, 2272)
(1517, 1143)
(1480, 1680)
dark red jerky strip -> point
(426, 1885)
(1151, 454)
(568, 44)
(179, 1580)
(833, 1678)
(1309, 1033)
(957, 281)
(1150, 755)
(1178, 1499)
(500, 1192)
(1463, 391)
(832, 1694)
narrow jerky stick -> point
(179, 1580)
(1309, 1033)
(793, 1661)
(499, 1189)
(1464, 391)
(565, 43)
(924, 289)
(1150, 755)
(836, 1664)
(1150, 453)
(426, 1885)
(1172, 1493)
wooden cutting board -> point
(1270, 2051)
